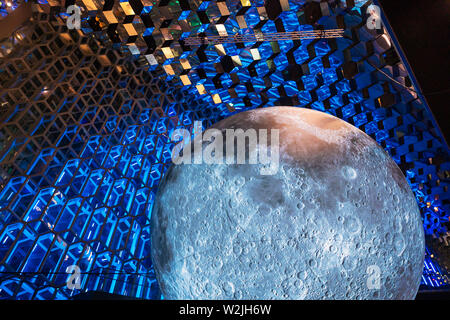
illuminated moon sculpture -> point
(336, 221)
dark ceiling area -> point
(422, 27)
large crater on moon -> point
(337, 221)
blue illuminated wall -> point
(80, 166)
(85, 127)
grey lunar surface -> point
(337, 206)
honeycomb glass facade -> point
(87, 115)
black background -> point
(423, 29)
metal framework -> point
(277, 36)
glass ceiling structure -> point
(86, 116)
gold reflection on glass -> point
(169, 70)
(126, 7)
(201, 89)
(167, 52)
(216, 98)
(185, 64)
(110, 17)
(131, 31)
(185, 79)
(89, 4)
